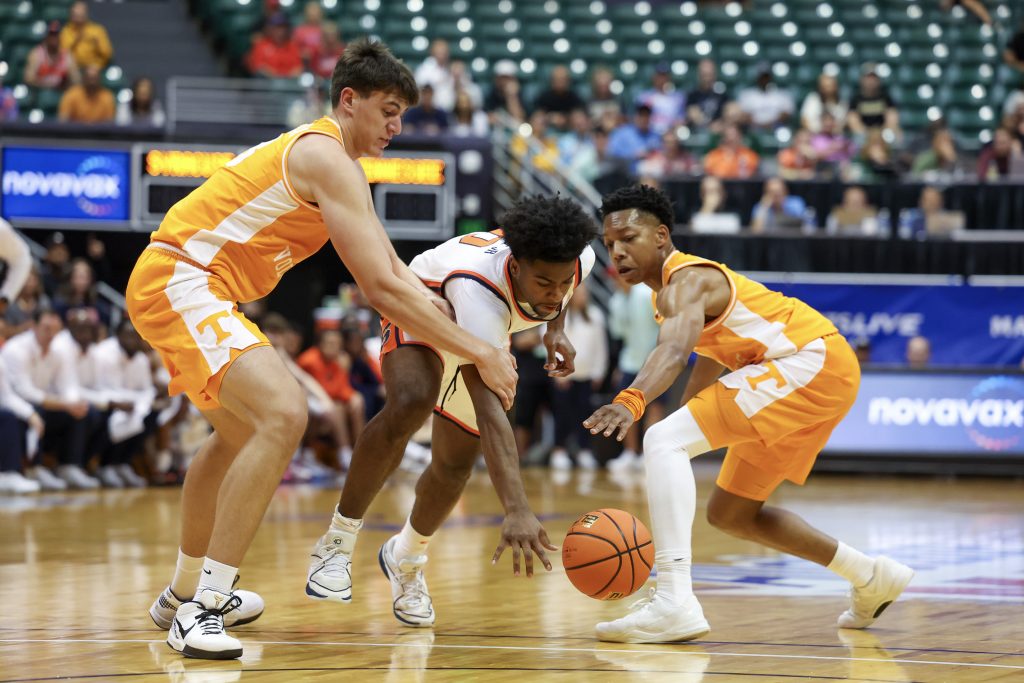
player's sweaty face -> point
(544, 284)
(632, 240)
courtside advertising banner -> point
(966, 324)
(936, 414)
(42, 183)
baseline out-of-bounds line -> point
(547, 649)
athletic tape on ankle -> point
(633, 400)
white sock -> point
(186, 576)
(410, 542)
(852, 565)
(342, 523)
(672, 498)
(217, 576)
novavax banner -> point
(42, 183)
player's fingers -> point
(515, 559)
(528, 554)
(545, 541)
(498, 551)
(541, 555)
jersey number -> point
(475, 241)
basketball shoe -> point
(412, 605)
(870, 600)
(330, 572)
(655, 619)
(198, 627)
(249, 608)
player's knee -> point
(409, 407)
(724, 518)
(284, 418)
(454, 474)
(658, 438)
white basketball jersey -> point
(484, 258)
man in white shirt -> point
(15, 254)
(16, 414)
(436, 71)
(766, 105)
(46, 378)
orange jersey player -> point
(230, 241)
(792, 378)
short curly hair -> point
(550, 229)
(642, 197)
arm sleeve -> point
(600, 343)
(15, 252)
(587, 259)
(16, 368)
(479, 311)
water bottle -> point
(810, 225)
(906, 229)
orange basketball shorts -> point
(184, 312)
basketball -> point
(608, 554)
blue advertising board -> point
(966, 324)
(934, 414)
(42, 183)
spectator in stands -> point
(19, 314)
(45, 377)
(8, 102)
(331, 48)
(545, 158)
(1013, 54)
(799, 161)
(56, 266)
(463, 81)
(930, 218)
(777, 210)
(275, 54)
(826, 98)
(766, 106)
(631, 142)
(671, 159)
(714, 214)
(731, 158)
(425, 117)
(559, 99)
(467, 120)
(940, 158)
(86, 40)
(919, 352)
(706, 101)
(875, 163)
(855, 216)
(668, 105)
(872, 107)
(309, 35)
(50, 66)
(88, 102)
(602, 101)
(17, 261)
(328, 364)
(999, 157)
(830, 146)
(862, 349)
(80, 292)
(1014, 104)
(436, 72)
(576, 147)
(364, 372)
(505, 94)
(571, 396)
(16, 416)
(142, 108)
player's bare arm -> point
(684, 303)
(705, 372)
(320, 172)
(561, 353)
(521, 531)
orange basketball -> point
(608, 554)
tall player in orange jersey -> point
(230, 241)
(792, 378)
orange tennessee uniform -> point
(793, 379)
(228, 241)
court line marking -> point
(547, 649)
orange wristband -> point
(633, 400)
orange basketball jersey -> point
(758, 324)
(246, 224)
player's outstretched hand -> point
(609, 419)
(561, 354)
(523, 533)
(498, 371)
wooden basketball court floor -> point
(78, 572)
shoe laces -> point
(644, 602)
(335, 560)
(414, 586)
(211, 621)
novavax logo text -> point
(947, 412)
(90, 186)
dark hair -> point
(43, 311)
(642, 197)
(550, 229)
(368, 66)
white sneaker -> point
(197, 629)
(48, 481)
(560, 460)
(14, 482)
(656, 620)
(109, 477)
(249, 608)
(870, 600)
(586, 460)
(330, 572)
(129, 477)
(412, 605)
(75, 477)
(625, 461)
